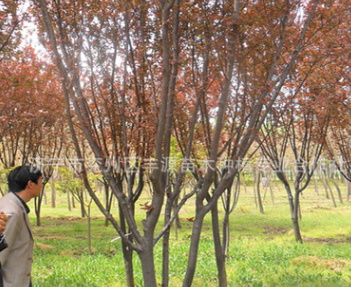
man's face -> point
(37, 187)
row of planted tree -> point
(256, 177)
(133, 85)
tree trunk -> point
(147, 264)
(295, 218)
(68, 201)
(82, 209)
(327, 186)
(271, 192)
(194, 249)
(165, 246)
(89, 230)
(37, 211)
(226, 234)
(225, 227)
(37, 204)
(244, 182)
(290, 198)
(127, 254)
(316, 185)
(338, 190)
(128, 264)
(255, 195)
(277, 185)
(177, 220)
(259, 194)
(53, 193)
(220, 256)
(73, 202)
(294, 206)
(108, 200)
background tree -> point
(30, 107)
(301, 133)
(302, 129)
(337, 47)
(10, 19)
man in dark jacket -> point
(25, 183)
(3, 244)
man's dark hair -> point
(18, 178)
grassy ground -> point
(263, 251)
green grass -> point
(262, 249)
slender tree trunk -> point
(194, 249)
(165, 247)
(82, 209)
(271, 192)
(68, 201)
(226, 234)
(295, 218)
(37, 211)
(265, 188)
(316, 185)
(244, 182)
(89, 230)
(277, 185)
(220, 256)
(290, 198)
(255, 194)
(337, 189)
(108, 200)
(226, 229)
(299, 209)
(73, 202)
(37, 205)
(258, 193)
(53, 193)
(327, 186)
(127, 254)
(294, 206)
(177, 220)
